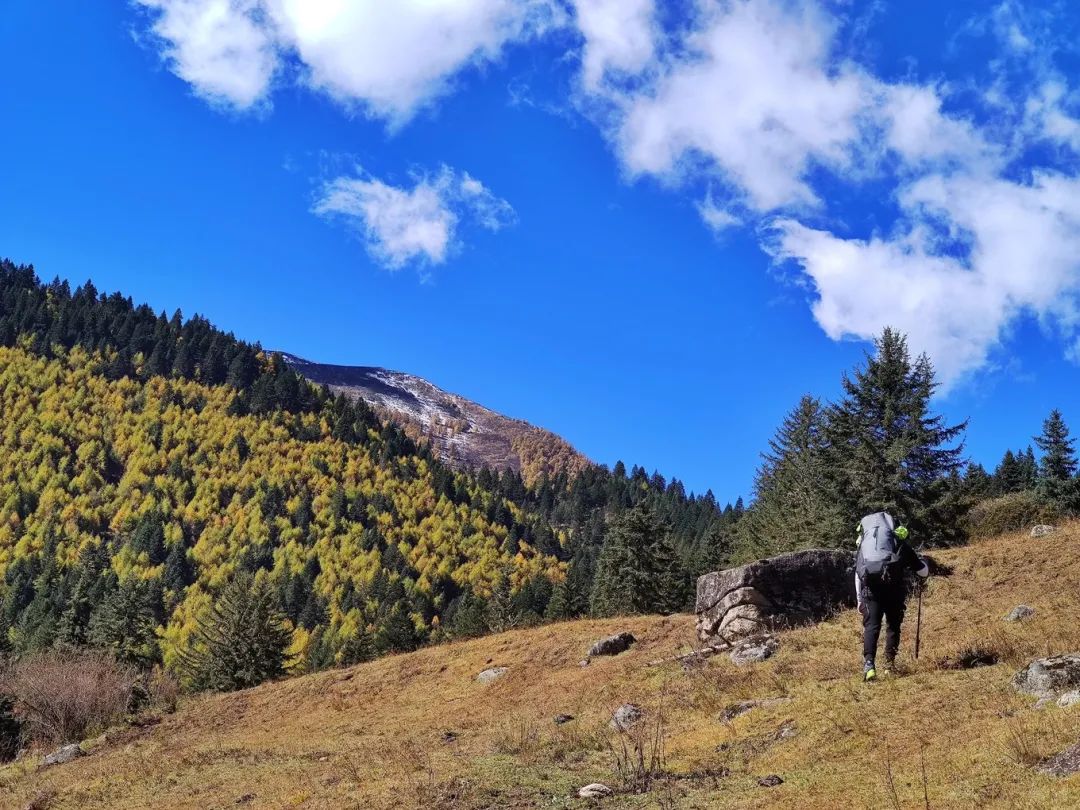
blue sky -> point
(649, 227)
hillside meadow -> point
(418, 730)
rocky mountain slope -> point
(798, 730)
(463, 433)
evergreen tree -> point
(637, 571)
(978, 483)
(558, 607)
(1008, 475)
(397, 633)
(241, 642)
(889, 451)
(470, 617)
(500, 607)
(124, 624)
(1057, 485)
(797, 498)
(359, 648)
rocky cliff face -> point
(783, 591)
(462, 433)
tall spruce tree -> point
(638, 570)
(241, 642)
(1057, 485)
(797, 502)
(887, 447)
(124, 624)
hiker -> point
(881, 586)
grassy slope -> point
(372, 736)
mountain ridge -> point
(462, 432)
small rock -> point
(755, 650)
(562, 719)
(584, 662)
(489, 675)
(742, 707)
(772, 780)
(63, 755)
(41, 801)
(612, 645)
(786, 731)
(1019, 613)
(449, 737)
(594, 791)
(626, 716)
(1064, 764)
(1069, 699)
(1042, 530)
(247, 798)
(1044, 677)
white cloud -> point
(223, 48)
(755, 98)
(975, 252)
(417, 224)
(716, 216)
(751, 96)
(386, 59)
(619, 37)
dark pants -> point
(882, 600)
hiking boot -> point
(890, 665)
(868, 672)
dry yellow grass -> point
(375, 735)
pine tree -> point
(470, 616)
(558, 607)
(500, 606)
(124, 624)
(797, 497)
(890, 451)
(241, 642)
(637, 571)
(978, 483)
(1057, 485)
(359, 648)
(1008, 475)
(397, 633)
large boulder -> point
(1049, 676)
(795, 588)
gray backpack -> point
(879, 549)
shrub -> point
(1009, 513)
(65, 695)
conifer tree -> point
(1057, 485)
(397, 632)
(637, 571)
(359, 648)
(797, 497)
(1008, 475)
(500, 606)
(124, 624)
(558, 607)
(241, 642)
(889, 450)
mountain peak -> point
(462, 433)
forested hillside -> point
(151, 463)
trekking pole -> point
(918, 621)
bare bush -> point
(164, 690)
(639, 752)
(64, 696)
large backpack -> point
(879, 548)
